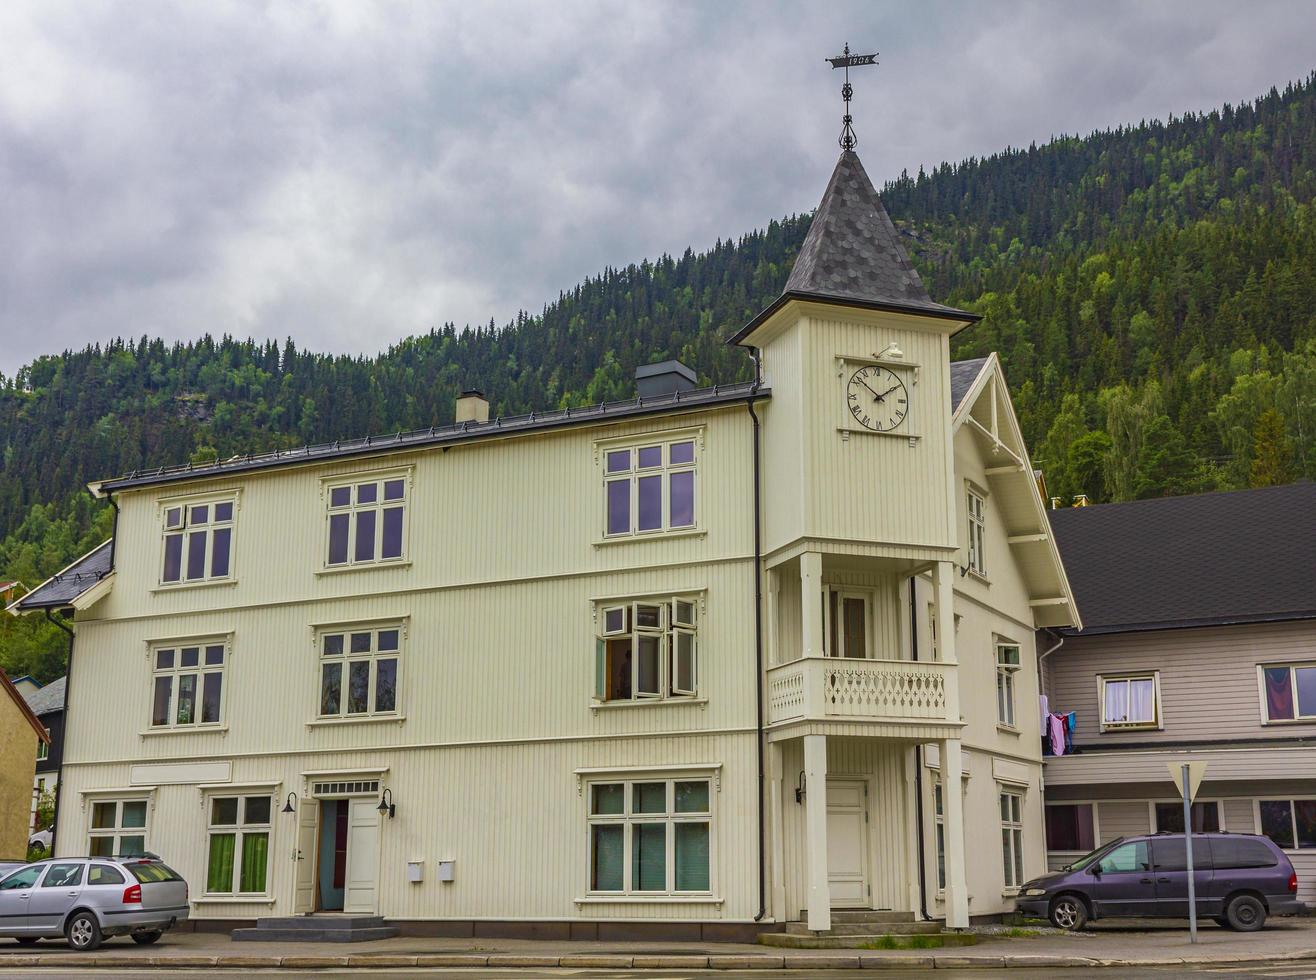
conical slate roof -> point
(852, 254)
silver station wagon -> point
(85, 900)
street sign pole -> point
(1188, 849)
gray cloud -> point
(352, 173)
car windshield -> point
(152, 871)
(1091, 856)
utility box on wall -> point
(447, 870)
(415, 871)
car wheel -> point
(1245, 913)
(146, 938)
(25, 940)
(1069, 912)
(83, 932)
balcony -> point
(893, 697)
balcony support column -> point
(815, 832)
(943, 598)
(811, 624)
(952, 801)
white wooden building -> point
(693, 664)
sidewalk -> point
(1106, 945)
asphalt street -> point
(1293, 972)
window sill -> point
(979, 577)
(1008, 729)
(656, 899)
(1290, 721)
(188, 730)
(694, 532)
(233, 900)
(646, 703)
(365, 566)
(364, 720)
(185, 586)
(1116, 729)
(1009, 893)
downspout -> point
(758, 635)
(918, 764)
(114, 529)
(1041, 674)
(64, 708)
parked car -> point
(1239, 880)
(88, 899)
(40, 841)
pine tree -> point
(1272, 451)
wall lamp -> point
(386, 804)
(800, 788)
(290, 804)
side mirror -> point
(1095, 871)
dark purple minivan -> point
(1239, 880)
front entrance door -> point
(308, 828)
(847, 843)
(362, 855)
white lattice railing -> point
(882, 690)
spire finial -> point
(847, 61)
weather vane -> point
(847, 61)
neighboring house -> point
(1198, 642)
(20, 734)
(48, 705)
(27, 684)
(517, 670)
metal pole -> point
(1188, 850)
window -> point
(1239, 852)
(367, 521)
(649, 488)
(24, 878)
(118, 828)
(104, 874)
(43, 748)
(1131, 857)
(845, 623)
(239, 845)
(939, 823)
(977, 532)
(650, 837)
(1007, 665)
(1289, 823)
(359, 672)
(1070, 827)
(63, 876)
(1290, 692)
(198, 541)
(1169, 818)
(647, 651)
(1130, 702)
(1012, 837)
(188, 684)
(1171, 854)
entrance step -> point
(867, 928)
(316, 929)
(864, 915)
(884, 940)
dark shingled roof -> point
(852, 255)
(49, 698)
(60, 590)
(962, 376)
(1209, 559)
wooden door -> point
(847, 843)
(362, 883)
(304, 854)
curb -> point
(856, 960)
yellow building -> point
(20, 734)
(686, 664)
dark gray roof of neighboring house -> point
(60, 590)
(1203, 560)
(445, 435)
(962, 376)
(852, 255)
(49, 698)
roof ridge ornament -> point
(847, 61)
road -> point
(1207, 972)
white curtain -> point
(1141, 703)
(1117, 701)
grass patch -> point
(1017, 933)
(905, 942)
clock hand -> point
(870, 388)
(887, 392)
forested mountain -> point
(1151, 291)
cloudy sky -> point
(349, 173)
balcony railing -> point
(866, 690)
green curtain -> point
(255, 854)
(649, 857)
(692, 857)
(219, 876)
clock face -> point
(877, 398)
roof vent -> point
(663, 378)
(472, 406)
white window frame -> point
(1006, 702)
(1297, 719)
(842, 592)
(1293, 819)
(118, 831)
(939, 835)
(347, 657)
(667, 634)
(976, 514)
(628, 818)
(633, 445)
(201, 670)
(168, 528)
(1096, 821)
(353, 508)
(43, 747)
(1158, 721)
(1012, 836)
(238, 829)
